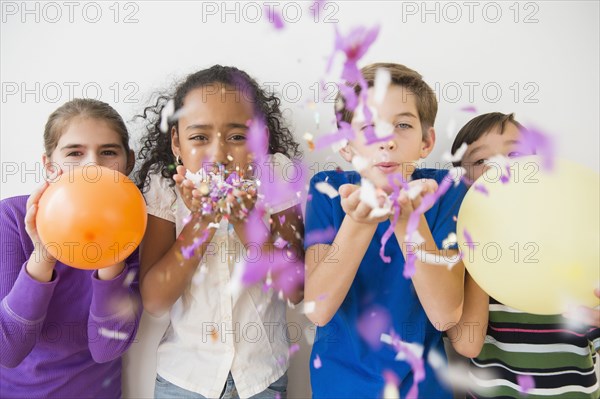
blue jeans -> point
(163, 389)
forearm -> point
(439, 289)
(328, 282)
(114, 315)
(468, 336)
(22, 314)
(165, 281)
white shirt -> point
(221, 329)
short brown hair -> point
(401, 76)
(481, 125)
(84, 108)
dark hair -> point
(481, 125)
(156, 146)
(400, 76)
(82, 108)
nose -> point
(389, 145)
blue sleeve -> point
(319, 227)
(449, 205)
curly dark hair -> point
(156, 146)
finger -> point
(362, 211)
(36, 195)
(352, 201)
(597, 292)
(584, 315)
(346, 190)
(30, 217)
(181, 170)
(430, 186)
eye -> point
(200, 137)
(237, 137)
(479, 162)
(402, 126)
(108, 153)
(75, 154)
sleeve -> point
(594, 337)
(23, 300)
(319, 226)
(449, 205)
(115, 312)
(282, 183)
(161, 198)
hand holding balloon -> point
(584, 314)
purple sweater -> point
(64, 338)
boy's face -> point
(490, 144)
(397, 111)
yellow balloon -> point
(532, 243)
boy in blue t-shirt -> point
(361, 302)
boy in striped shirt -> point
(516, 354)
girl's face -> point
(90, 141)
(490, 144)
(212, 130)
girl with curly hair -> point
(223, 340)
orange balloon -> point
(91, 218)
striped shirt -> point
(543, 356)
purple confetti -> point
(533, 141)
(372, 323)
(320, 236)
(481, 188)
(469, 108)
(293, 349)
(469, 240)
(526, 383)
(317, 364)
(416, 364)
(274, 17)
(188, 252)
(413, 220)
(396, 181)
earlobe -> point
(346, 153)
(428, 143)
(174, 141)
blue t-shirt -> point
(351, 368)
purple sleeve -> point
(115, 312)
(23, 300)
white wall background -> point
(539, 59)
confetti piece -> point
(293, 349)
(308, 307)
(317, 364)
(409, 354)
(383, 79)
(526, 383)
(129, 278)
(327, 189)
(274, 17)
(105, 332)
(450, 241)
(469, 240)
(481, 188)
(436, 360)
(469, 108)
(359, 163)
(214, 225)
(390, 389)
(280, 243)
(534, 141)
(372, 323)
(165, 114)
(458, 154)
(371, 196)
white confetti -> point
(381, 84)
(213, 225)
(449, 241)
(129, 278)
(456, 174)
(368, 195)
(105, 332)
(338, 145)
(436, 360)
(327, 189)
(383, 129)
(308, 307)
(359, 163)
(166, 114)
(458, 155)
